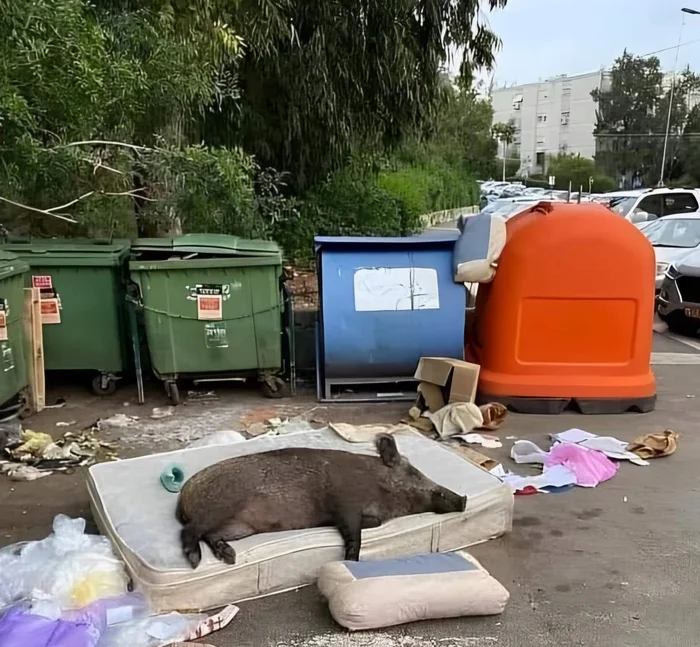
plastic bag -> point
(19, 628)
(68, 567)
(153, 631)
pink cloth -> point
(589, 465)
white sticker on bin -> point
(380, 289)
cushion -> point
(478, 248)
(374, 594)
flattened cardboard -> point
(457, 381)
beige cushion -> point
(370, 595)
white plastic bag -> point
(68, 568)
(153, 631)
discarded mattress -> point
(133, 509)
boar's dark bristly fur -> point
(296, 488)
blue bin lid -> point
(448, 238)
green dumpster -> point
(212, 308)
(14, 378)
(83, 307)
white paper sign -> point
(379, 289)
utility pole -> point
(691, 12)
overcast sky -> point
(543, 38)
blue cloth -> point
(427, 564)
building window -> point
(565, 118)
(541, 119)
(539, 160)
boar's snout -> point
(445, 501)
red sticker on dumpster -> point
(42, 282)
(50, 311)
(209, 302)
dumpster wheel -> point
(273, 387)
(104, 385)
(173, 392)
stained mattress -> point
(133, 509)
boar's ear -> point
(388, 452)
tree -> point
(320, 80)
(632, 117)
(505, 133)
(578, 171)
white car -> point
(672, 238)
(649, 204)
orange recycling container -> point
(567, 320)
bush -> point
(347, 204)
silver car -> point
(672, 238)
(678, 302)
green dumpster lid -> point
(60, 251)
(11, 264)
(214, 244)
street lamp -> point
(692, 12)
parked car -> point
(672, 238)
(650, 204)
(678, 302)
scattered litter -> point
(117, 420)
(202, 396)
(557, 476)
(490, 442)
(511, 437)
(68, 567)
(10, 433)
(258, 429)
(162, 412)
(655, 445)
(590, 466)
(456, 418)
(494, 415)
(18, 472)
(44, 456)
(525, 451)
(478, 459)
(611, 447)
(624, 499)
(689, 396)
(32, 445)
(227, 437)
(65, 424)
(61, 402)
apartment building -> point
(551, 117)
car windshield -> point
(623, 205)
(676, 232)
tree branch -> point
(46, 213)
(72, 202)
(101, 142)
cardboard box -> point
(444, 380)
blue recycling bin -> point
(383, 304)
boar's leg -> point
(349, 525)
(218, 540)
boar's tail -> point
(190, 544)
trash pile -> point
(26, 455)
(579, 458)
(69, 590)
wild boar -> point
(295, 488)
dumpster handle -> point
(175, 316)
